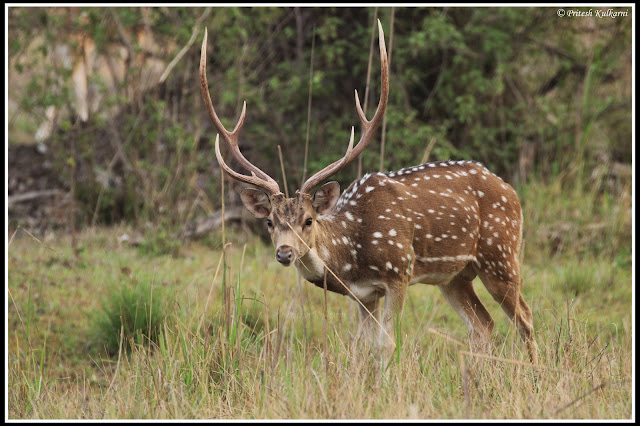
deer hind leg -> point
(507, 294)
(463, 299)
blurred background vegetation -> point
(535, 97)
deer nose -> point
(284, 255)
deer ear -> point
(326, 197)
(256, 201)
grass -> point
(257, 349)
(130, 311)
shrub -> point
(139, 311)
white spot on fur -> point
(324, 253)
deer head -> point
(292, 221)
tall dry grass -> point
(259, 347)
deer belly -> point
(434, 278)
(439, 270)
(367, 291)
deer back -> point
(424, 223)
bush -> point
(138, 310)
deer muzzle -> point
(285, 255)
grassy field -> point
(234, 335)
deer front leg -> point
(391, 316)
(369, 319)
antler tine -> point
(343, 160)
(368, 126)
(258, 177)
(271, 187)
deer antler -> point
(368, 127)
(258, 177)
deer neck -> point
(331, 245)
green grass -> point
(132, 311)
(257, 349)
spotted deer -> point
(440, 223)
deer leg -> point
(393, 303)
(463, 299)
(368, 325)
(507, 294)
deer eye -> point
(269, 223)
(308, 222)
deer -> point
(441, 223)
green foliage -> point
(134, 312)
(159, 241)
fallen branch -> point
(202, 227)
(27, 196)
